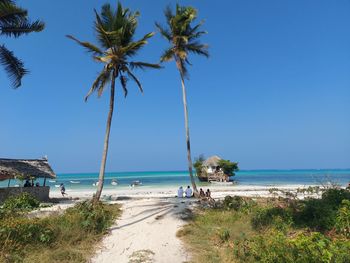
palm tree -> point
(115, 32)
(183, 39)
(14, 22)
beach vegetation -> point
(115, 32)
(60, 237)
(184, 38)
(229, 168)
(240, 229)
(14, 22)
(198, 165)
(23, 201)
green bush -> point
(235, 202)
(342, 221)
(321, 213)
(224, 235)
(229, 168)
(93, 217)
(277, 247)
(22, 231)
(276, 217)
(74, 232)
(334, 197)
(24, 201)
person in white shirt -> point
(180, 192)
(188, 192)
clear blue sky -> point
(275, 92)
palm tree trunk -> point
(189, 158)
(106, 142)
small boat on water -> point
(114, 182)
(136, 183)
(74, 182)
(52, 181)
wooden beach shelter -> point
(25, 169)
(211, 170)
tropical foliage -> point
(115, 30)
(198, 165)
(14, 22)
(67, 237)
(229, 168)
(184, 39)
(242, 229)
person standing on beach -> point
(63, 189)
(188, 192)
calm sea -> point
(176, 178)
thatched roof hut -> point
(12, 168)
(212, 161)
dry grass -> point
(72, 242)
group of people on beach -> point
(30, 184)
(188, 192)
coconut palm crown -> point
(115, 32)
(183, 39)
(14, 22)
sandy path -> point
(146, 232)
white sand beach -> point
(146, 230)
(218, 191)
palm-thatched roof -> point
(12, 168)
(212, 161)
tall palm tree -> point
(14, 22)
(115, 32)
(183, 39)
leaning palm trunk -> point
(106, 142)
(189, 158)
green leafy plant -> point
(93, 216)
(229, 168)
(19, 202)
(277, 247)
(224, 235)
(342, 221)
(321, 213)
(198, 165)
(276, 217)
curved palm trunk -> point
(106, 142)
(189, 158)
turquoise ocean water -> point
(176, 178)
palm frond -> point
(99, 84)
(102, 35)
(90, 47)
(197, 48)
(123, 81)
(183, 37)
(20, 28)
(143, 65)
(167, 55)
(134, 78)
(10, 13)
(13, 66)
(168, 13)
(164, 32)
(132, 48)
